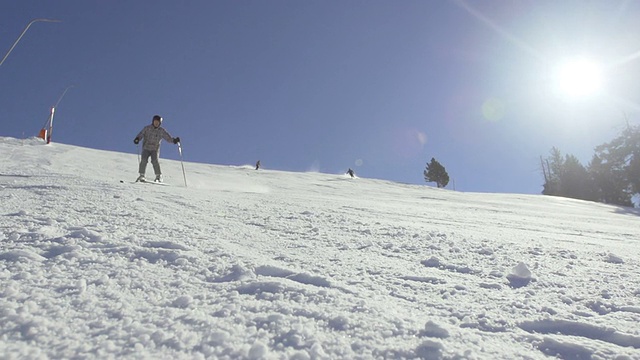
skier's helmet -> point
(157, 117)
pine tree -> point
(616, 167)
(605, 181)
(568, 178)
(554, 166)
(575, 181)
(435, 172)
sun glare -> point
(578, 78)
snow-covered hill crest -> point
(279, 265)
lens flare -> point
(408, 143)
(493, 109)
(422, 138)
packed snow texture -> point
(263, 264)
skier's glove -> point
(136, 141)
(176, 140)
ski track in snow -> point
(267, 264)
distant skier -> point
(351, 173)
(151, 136)
(258, 165)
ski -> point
(154, 183)
(145, 182)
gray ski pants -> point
(154, 161)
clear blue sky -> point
(378, 86)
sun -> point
(578, 78)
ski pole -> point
(138, 152)
(184, 175)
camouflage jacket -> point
(151, 137)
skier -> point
(258, 165)
(350, 172)
(151, 136)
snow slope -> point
(246, 264)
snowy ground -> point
(267, 264)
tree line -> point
(611, 177)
